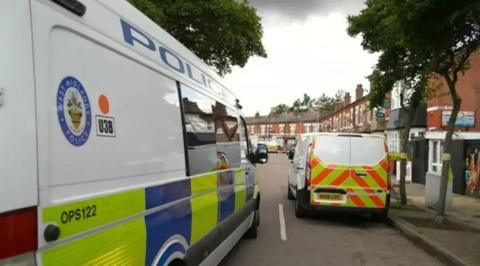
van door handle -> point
(361, 174)
(51, 233)
(299, 168)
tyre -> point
(289, 193)
(381, 216)
(300, 212)
(252, 232)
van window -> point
(245, 145)
(227, 136)
(333, 149)
(200, 130)
(374, 146)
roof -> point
(286, 118)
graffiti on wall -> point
(472, 170)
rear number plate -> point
(330, 197)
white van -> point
(118, 146)
(342, 172)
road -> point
(331, 239)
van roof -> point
(342, 134)
(127, 11)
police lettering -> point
(78, 214)
(136, 37)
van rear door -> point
(18, 168)
(330, 169)
(18, 148)
(368, 158)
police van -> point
(340, 172)
(118, 146)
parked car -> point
(342, 172)
(272, 147)
(262, 152)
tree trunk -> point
(447, 146)
(410, 113)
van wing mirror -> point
(291, 154)
(261, 156)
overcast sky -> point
(309, 51)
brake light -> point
(308, 167)
(18, 232)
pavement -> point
(455, 241)
(325, 239)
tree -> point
(324, 102)
(280, 109)
(412, 95)
(223, 33)
(339, 96)
(394, 67)
(424, 39)
(303, 105)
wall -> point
(468, 88)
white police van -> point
(118, 146)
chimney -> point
(358, 92)
(257, 114)
(347, 98)
(338, 106)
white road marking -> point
(283, 229)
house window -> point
(262, 130)
(269, 129)
(292, 128)
(252, 130)
(435, 156)
(281, 129)
(316, 127)
(393, 138)
(308, 127)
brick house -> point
(348, 116)
(354, 116)
(283, 128)
(465, 155)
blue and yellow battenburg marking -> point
(149, 225)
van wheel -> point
(299, 211)
(252, 232)
(289, 193)
(177, 262)
(381, 216)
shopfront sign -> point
(464, 119)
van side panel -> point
(18, 149)
(118, 190)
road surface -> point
(331, 239)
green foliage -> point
(308, 104)
(325, 102)
(223, 33)
(418, 39)
(303, 105)
(280, 109)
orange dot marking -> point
(103, 104)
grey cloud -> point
(300, 9)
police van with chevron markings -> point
(118, 145)
(334, 172)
